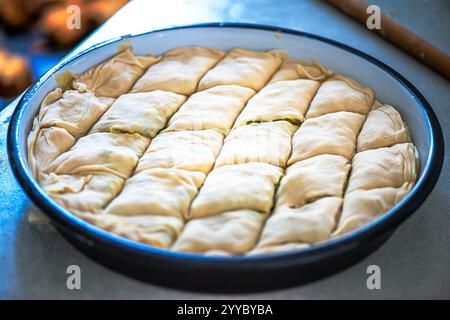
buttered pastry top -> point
(231, 153)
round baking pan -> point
(240, 273)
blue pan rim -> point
(389, 221)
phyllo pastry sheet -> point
(232, 232)
(243, 186)
(215, 108)
(293, 70)
(333, 133)
(114, 153)
(268, 142)
(116, 76)
(384, 167)
(282, 100)
(247, 68)
(179, 70)
(145, 113)
(384, 127)
(188, 150)
(76, 112)
(82, 193)
(157, 231)
(363, 206)
(311, 223)
(62, 118)
(340, 93)
(45, 144)
(313, 178)
(157, 192)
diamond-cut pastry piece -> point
(116, 76)
(341, 93)
(282, 100)
(62, 119)
(188, 150)
(313, 178)
(157, 231)
(44, 145)
(101, 152)
(179, 70)
(215, 108)
(233, 232)
(310, 223)
(76, 112)
(384, 127)
(157, 192)
(242, 186)
(242, 67)
(293, 70)
(78, 193)
(384, 167)
(362, 206)
(268, 142)
(333, 133)
(145, 113)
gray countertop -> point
(414, 262)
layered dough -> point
(340, 93)
(82, 193)
(157, 231)
(237, 153)
(188, 150)
(313, 178)
(311, 223)
(384, 167)
(268, 142)
(215, 108)
(115, 76)
(333, 133)
(179, 70)
(114, 153)
(45, 144)
(380, 179)
(233, 232)
(363, 206)
(76, 112)
(384, 127)
(293, 70)
(63, 118)
(243, 186)
(144, 113)
(157, 192)
(282, 100)
(247, 68)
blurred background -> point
(36, 34)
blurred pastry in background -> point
(15, 74)
(54, 20)
(53, 23)
(20, 15)
(52, 17)
(48, 28)
(16, 15)
(99, 11)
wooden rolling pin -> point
(399, 36)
